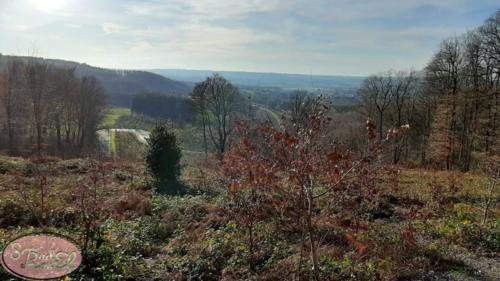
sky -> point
(333, 37)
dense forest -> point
(160, 106)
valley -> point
(320, 140)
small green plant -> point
(163, 160)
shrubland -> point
(251, 217)
(310, 193)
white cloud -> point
(20, 27)
(329, 36)
(73, 25)
(49, 6)
(143, 46)
(113, 28)
(207, 9)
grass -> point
(190, 157)
(189, 135)
(127, 146)
(112, 116)
(420, 183)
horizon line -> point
(189, 69)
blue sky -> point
(343, 37)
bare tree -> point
(11, 100)
(403, 90)
(376, 94)
(3, 99)
(222, 102)
(473, 79)
(64, 86)
(300, 105)
(199, 103)
(423, 107)
(443, 79)
(453, 110)
(58, 110)
(89, 111)
(490, 32)
(36, 79)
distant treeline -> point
(160, 106)
(48, 110)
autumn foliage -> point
(287, 174)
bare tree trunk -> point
(39, 138)
(490, 195)
(302, 246)
(10, 127)
(493, 125)
(310, 230)
(12, 99)
(36, 79)
(58, 135)
(451, 136)
(380, 125)
(251, 248)
(203, 122)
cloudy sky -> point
(345, 37)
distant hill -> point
(281, 80)
(120, 85)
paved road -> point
(104, 136)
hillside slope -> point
(120, 85)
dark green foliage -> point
(155, 105)
(163, 158)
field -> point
(112, 115)
(123, 145)
(428, 227)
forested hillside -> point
(119, 85)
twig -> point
(356, 164)
(31, 209)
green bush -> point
(486, 236)
(163, 160)
(10, 164)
